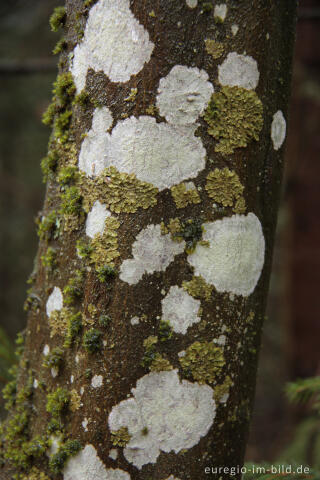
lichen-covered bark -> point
(146, 304)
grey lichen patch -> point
(224, 186)
(203, 361)
(214, 48)
(120, 192)
(120, 437)
(198, 288)
(105, 246)
(234, 117)
(185, 194)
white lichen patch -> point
(46, 350)
(114, 42)
(35, 383)
(234, 29)
(183, 95)
(157, 153)
(135, 321)
(239, 71)
(278, 129)
(152, 252)
(86, 465)
(84, 424)
(220, 11)
(113, 454)
(192, 3)
(97, 381)
(180, 309)
(92, 157)
(163, 415)
(96, 219)
(234, 258)
(55, 301)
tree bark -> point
(148, 296)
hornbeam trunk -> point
(147, 300)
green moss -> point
(57, 18)
(74, 326)
(207, 7)
(67, 174)
(61, 126)
(203, 361)
(121, 437)
(191, 233)
(150, 354)
(165, 331)
(49, 165)
(224, 186)
(73, 291)
(49, 226)
(64, 89)
(198, 288)
(71, 201)
(66, 450)
(234, 117)
(57, 402)
(106, 273)
(104, 321)
(49, 114)
(82, 99)
(54, 359)
(60, 46)
(84, 249)
(92, 340)
(49, 259)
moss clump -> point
(150, 351)
(67, 175)
(54, 359)
(106, 273)
(191, 233)
(207, 7)
(49, 164)
(222, 390)
(49, 259)
(224, 186)
(82, 99)
(84, 249)
(121, 192)
(185, 194)
(203, 361)
(35, 474)
(60, 46)
(234, 117)
(198, 288)
(57, 18)
(74, 326)
(49, 114)
(64, 90)
(213, 48)
(121, 437)
(66, 450)
(57, 402)
(92, 340)
(160, 364)
(49, 227)
(74, 289)
(105, 246)
(165, 331)
(104, 321)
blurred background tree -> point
(292, 330)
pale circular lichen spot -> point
(183, 94)
(239, 71)
(278, 129)
(55, 301)
(164, 414)
(86, 465)
(192, 3)
(180, 309)
(234, 258)
(96, 219)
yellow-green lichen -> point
(224, 186)
(185, 194)
(121, 437)
(35, 474)
(240, 206)
(105, 245)
(234, 117)
(198, 288)
(160, 364)
(75, 400)
(223, 389)
(58, 321)
(203, 361)
(132, 95)
(74, 289)
(213, 48)
(120, 192)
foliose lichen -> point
(203, 361)
(224, 186)
(234, 117)
(198, 288)
(214, 48)
(185, 194)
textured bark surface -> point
(265, 33)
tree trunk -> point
(148, 295)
